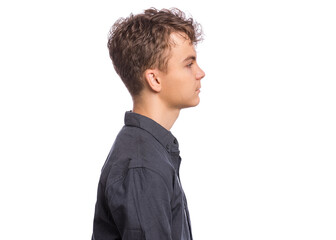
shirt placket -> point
(177, 159)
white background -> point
(258, 152)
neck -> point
(154, 109)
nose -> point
(200, 74)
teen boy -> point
(139, 192)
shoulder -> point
(136, 148)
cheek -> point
(185, 77)
(176, 81)
(180, 83)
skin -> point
(166, 93)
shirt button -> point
(175, 141)
(168, 147)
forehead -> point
(181, 46)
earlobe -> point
(152, 80)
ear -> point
(152, 79)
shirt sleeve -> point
(140, 205)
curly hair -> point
(142, 41)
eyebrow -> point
(192, 57)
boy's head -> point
(143, 41)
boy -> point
(139, 192)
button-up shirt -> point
(139, 192)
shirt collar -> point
(162, 135)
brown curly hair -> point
(142, 41)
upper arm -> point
(140, 204)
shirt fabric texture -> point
(139, 192)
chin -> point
(191, 104)
(197, 102)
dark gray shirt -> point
(139, 192)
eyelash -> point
(189, 65)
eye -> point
(190, 64)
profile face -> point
(182, 81)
